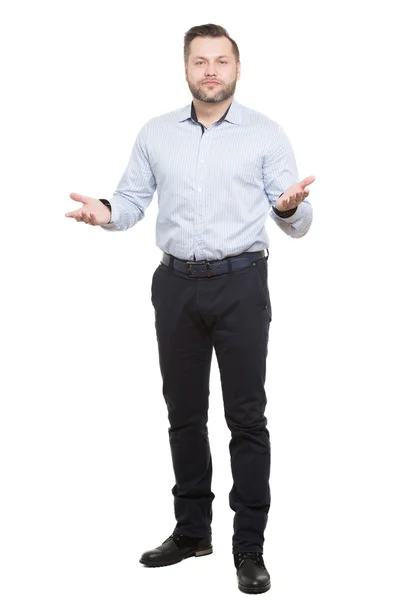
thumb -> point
(79, 197)
(307, 181)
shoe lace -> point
(179, 539)
(255, 556)
(174, 537)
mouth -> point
(211, 83)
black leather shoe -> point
(175, 548)
(252, 576)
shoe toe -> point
(252, 578)
(150, 555)
(254, 582)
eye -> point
(222, 61)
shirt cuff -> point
(284, 214)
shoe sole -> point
(252, 590)
(196, 553)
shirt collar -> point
(233, 114)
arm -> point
(279, 173)
(135, 189)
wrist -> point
(284, 214)
(106, 203)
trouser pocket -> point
(261, 269)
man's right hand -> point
(93, 212)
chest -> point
(219, 154)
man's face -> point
(212, 59)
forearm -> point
(298, 223)
(123, 214)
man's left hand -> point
(294, 195)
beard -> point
(218, 94)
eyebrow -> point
(222, 56)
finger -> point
(93, 220)
(86, 217)
(74, 214)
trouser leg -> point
(240, 338)
(185, 352)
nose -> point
(210, 73)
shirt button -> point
(199, 189)
(202, 161)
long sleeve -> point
(279, 173)
(135, 189)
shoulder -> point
(172, 116)
(256, 117)
(264, 131)
(260, 126)
(160, 125)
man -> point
(218, 167)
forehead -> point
(211, 57)
(211, 48)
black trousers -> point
(230, 312)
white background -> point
(85, 471)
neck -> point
(211, 111)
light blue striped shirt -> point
(215, 186)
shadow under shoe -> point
(175, 548)
(252, 576)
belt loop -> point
(229, 265)
(170, 264)
(267, 253)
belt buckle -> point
(198, 262)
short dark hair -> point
(209, 30)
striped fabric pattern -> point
(215, 186)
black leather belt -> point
(209, 268)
